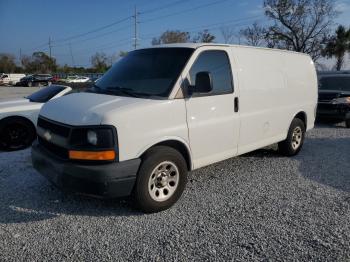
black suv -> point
(334, 96)
(36, 80)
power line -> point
(184, 11)
(95, 37)
(94, 31)
(147, 11)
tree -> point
(99, 62)
(254, 35)
(7, 63)
(39, 62)
(123, 53)
(338, 46)
(300, 25)
(204, 37)
(172, 36)
(228, 33)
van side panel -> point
(301, 79)
(269, 97)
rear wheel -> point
(29, 84)
(16, 134)
(295, 139)
(162, 178)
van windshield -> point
(145, 73)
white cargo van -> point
(11, 79)
(161, 112)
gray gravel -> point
(14, 92)
(259, 206)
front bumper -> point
(106, 181)
(339, 112)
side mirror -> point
(203, 83)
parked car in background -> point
(36, 80)
(76, 79)
(161, 112)
(18, 117)
(11, 79)
(334, 97)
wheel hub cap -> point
(163, 181)
(297, 138)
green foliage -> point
(7, 63)
(39, 62)
(172, 36)
(338, 46)
(99, 62)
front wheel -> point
(295, 139)
(16, 134)
(162, 178)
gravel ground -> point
(13, 92)
(259, 206)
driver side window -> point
(217, 63)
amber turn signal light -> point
(92, 155)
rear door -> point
(212, 121)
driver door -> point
(213, 118)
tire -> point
(16, 134)
(49, 83)
(163, 170)
(29, 84)
(347, 123)
(295, 139)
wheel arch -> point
(176, 144)
(302, 116)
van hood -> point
(16, 105)
(86, 108)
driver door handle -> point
(236, 104)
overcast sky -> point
(78, 29)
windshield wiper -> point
(126, 91)
(115, 90)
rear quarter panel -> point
(274, 87)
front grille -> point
(60, 152)
(57, 129)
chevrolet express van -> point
(163, 111)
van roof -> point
(197, 45)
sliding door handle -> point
(236, 104)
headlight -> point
(92, 137)
(93, 144)
(341, 100)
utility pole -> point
(71, 54)
(135, 27)
(50, 46)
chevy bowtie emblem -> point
(47, 135)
